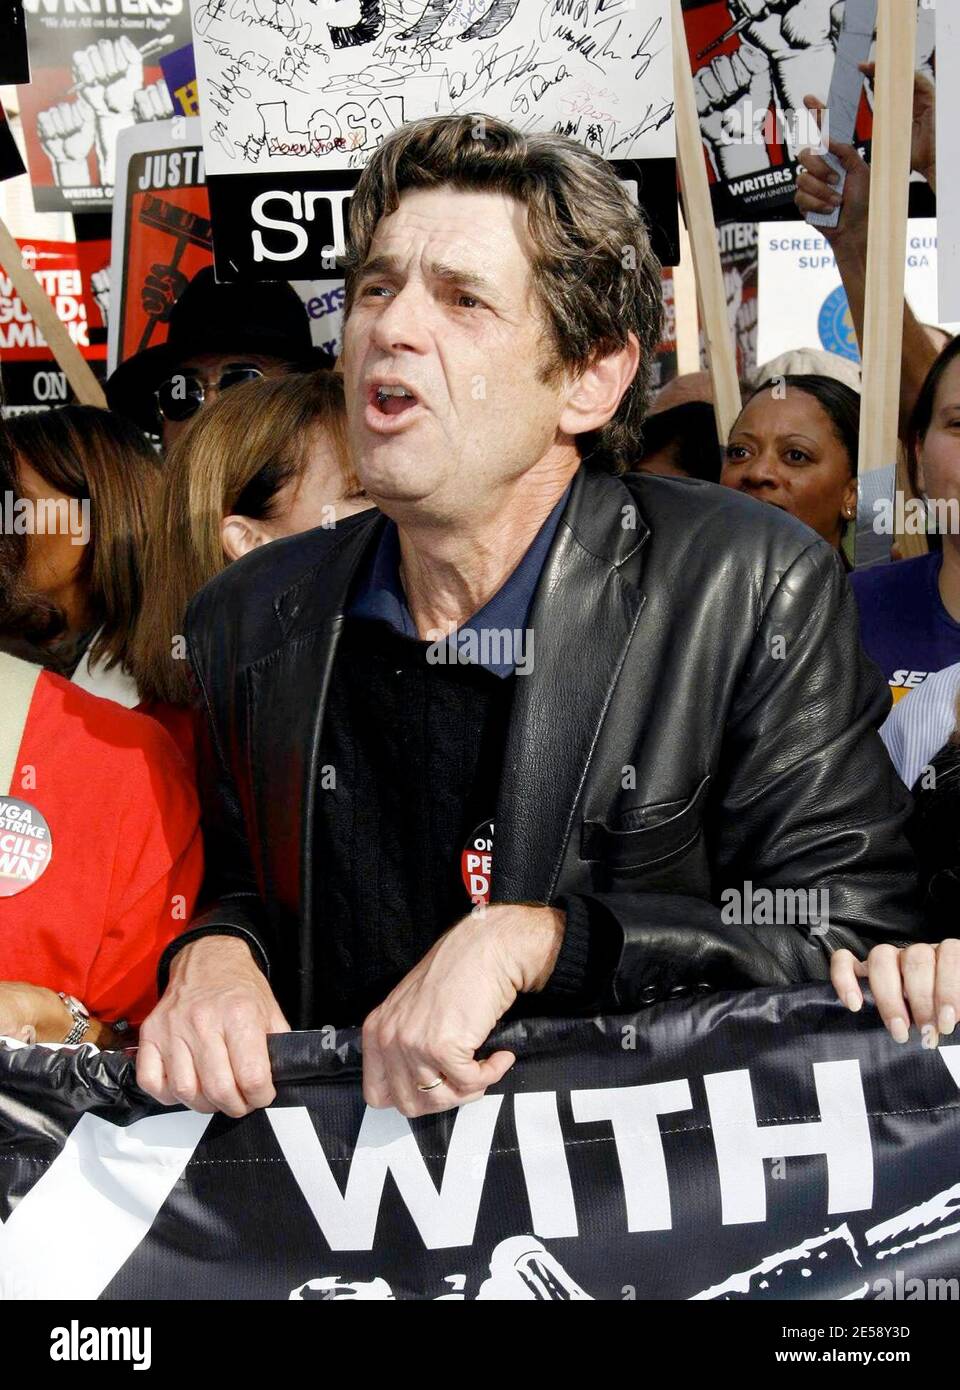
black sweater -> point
(411, 754)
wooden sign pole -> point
(685, 313)
(887, 236)
(718, 337)
(86, 387)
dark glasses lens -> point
(182, 396)
(179, 398)
(236, 376)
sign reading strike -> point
(25, 846)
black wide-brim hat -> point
(263, 319)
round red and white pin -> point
(476, 863)
(26, 847)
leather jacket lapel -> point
(583, 616)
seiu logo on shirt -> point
(902, 682)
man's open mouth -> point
(391, 400)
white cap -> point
(810, 362)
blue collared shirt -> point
(379, 595)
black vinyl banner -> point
(763, 1145)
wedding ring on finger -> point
(432, 1085)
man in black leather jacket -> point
(675, 715)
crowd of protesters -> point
(275, 544)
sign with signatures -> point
(295, 97)
(288, 84)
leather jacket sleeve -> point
(230, 906)
(806, 798)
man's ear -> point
(239, 535)
(598, 391)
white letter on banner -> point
(544, 1161)
(385, 1145)
(100, 1196)
(842, 1134)
(950, 1057)
(633, 1111)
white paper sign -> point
(802, 301)
(286, 85)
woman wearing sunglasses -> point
(269, 459)
(219, 336)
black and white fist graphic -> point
(734, 96)
(153, 103)
(67, 132)
(108, 75)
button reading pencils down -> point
(26, 847)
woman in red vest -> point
(100, 850)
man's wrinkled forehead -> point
(474, 239)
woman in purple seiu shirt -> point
(910, 610)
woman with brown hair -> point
(83, 483)
(269, 459)
(100, 851)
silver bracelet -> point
(80, 1016)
